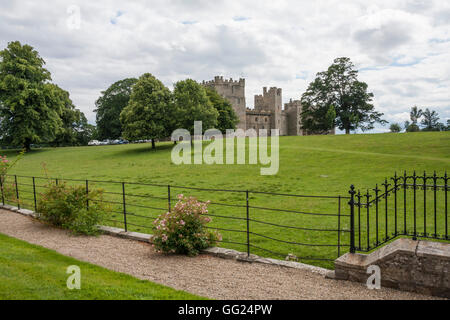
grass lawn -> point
(315, 165)
(29, 272)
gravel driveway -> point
(203, 275)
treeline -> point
(33, 110)
(145, 109)
(427, 120)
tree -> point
(406, 125)
(227, 118)
(75, 129)
(109, 106)
(395, 128)
(430, 120)
(29, 104)
(415, 114)
(192, 104)
(148, 110)
(339, 87)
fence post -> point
(386, 220)
(248, 226)
(446, 206)
(124, 207)
(34, 195)
(359, 219)
(168, 197)
(1, 186)
(415, 207)
(339, 226)
(376, 215)
(395, 203)
(435, 204)
(17, 192)
(87, 195)
(352, 218)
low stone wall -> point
(418, 266)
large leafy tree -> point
(338, 88)
(227, 118)
(109, 106)
(430, 120)
(192, 104)
(148, 111)
(29, 104)
(75, 129)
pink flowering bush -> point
(182, 230)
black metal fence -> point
(303, 227)
(408, 205)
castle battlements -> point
(219, 80)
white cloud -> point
(401, 46)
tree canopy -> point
(430, 120)
(338, 90)
(148, 110)
(29, 104)
(109, 106)
(74, 129)
(192, 104)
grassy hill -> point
(315, 165)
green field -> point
(29, 272)
(314, 165)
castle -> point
(268, 112)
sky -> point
(400, 47)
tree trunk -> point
(347, 131)
(153, 144)
(27, 145)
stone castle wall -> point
(233, 91)
(268, 112)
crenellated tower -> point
(233, 91)
(271, 101)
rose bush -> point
(182, 230)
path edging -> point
(215, 251)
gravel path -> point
(204, 275)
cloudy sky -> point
(401, 47)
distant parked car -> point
(94, 143)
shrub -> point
(182, 230)
(65, 206)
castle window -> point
(266, 119)
(256, 119)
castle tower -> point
(293, 110)
(271, 101)
(234, 92)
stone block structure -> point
(419, 266)
(268, 112)
(233, 91)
